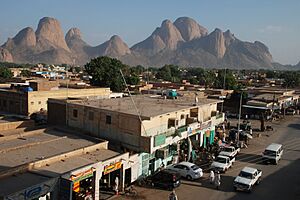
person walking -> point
(218, 180)
(173, 195)
(211, 177)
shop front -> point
(83, 184)
(110, 172)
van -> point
(273, 153)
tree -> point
(5, 73)
(26, 73)
(230, 80)
(291, 79)
(105, 72)
(169, 73)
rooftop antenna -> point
(136, 109)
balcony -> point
(218, 119)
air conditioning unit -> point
(162, 153)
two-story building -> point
(150, 125)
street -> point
(280, 181)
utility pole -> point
(223, 91)
(240, 112)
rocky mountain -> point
(184, 42)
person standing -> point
(211, 177)
(117, 185)
(218, 180)
(173, 195)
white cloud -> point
(271, 29)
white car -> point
(247, 178)
(222, 163)
(187, 170)
(229, 151)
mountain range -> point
(183, 42)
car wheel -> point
(258, 181)
(188, 177)
(249, 190)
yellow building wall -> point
(37, 100)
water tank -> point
(28, 89)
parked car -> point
(187, 170)
(247, 178)
(273, 152)
(166, 179)
(222, 163)
(290, 111)
(230, 151)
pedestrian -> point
(211, 177)
(173, 195)
(117, 185)
(218, 180)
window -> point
(108, 119)
(75, 113)
(182, 116)
(40, 102)
(32, 103)
(91, 116)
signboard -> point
(34, 192)
(159, 140)
(112, 167)
(82, 175)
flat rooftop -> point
(71, 163)
(147, 106)
(39, 145)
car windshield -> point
(245, 175)
(228, 149)
(221, 160)
(195, 167)
(270, 153)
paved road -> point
(280, 181)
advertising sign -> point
(112, 167)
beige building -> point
(19, 100)
(148, 124)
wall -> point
(14, 125)
(37, 100)
(13, 102)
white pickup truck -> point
(247, 178)
(230, 151)
(222, 163)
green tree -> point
(169, 73)
(105, 72)
(230, 80)
(5, 72)
(208, 79)
(291, 79)
(25, 73)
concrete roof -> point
(148, 106)
(42, 144)
(72, 163)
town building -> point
(60, 164)
(31, 97)
(153, 126)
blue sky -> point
(274, 22)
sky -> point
(276, 23)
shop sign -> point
(76, 186)
(34, 191)
(82, 175)
(112, 167)
(205, 125)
